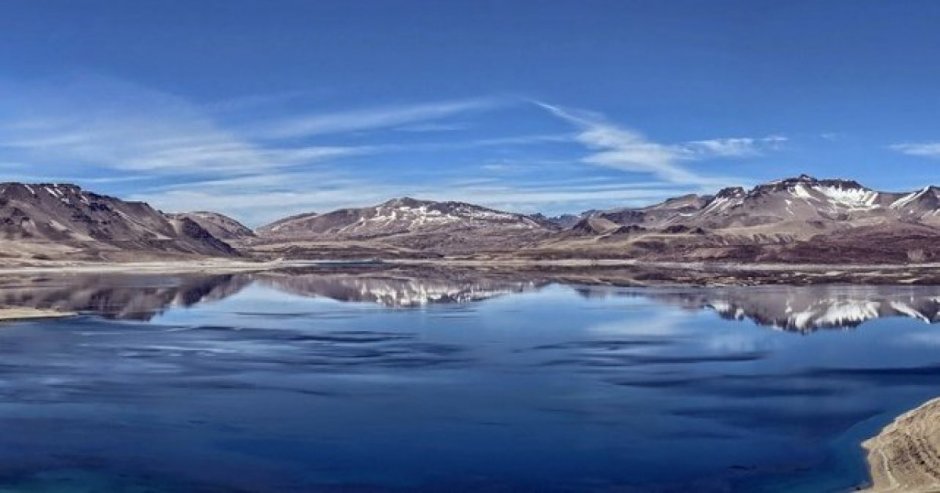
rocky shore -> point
(905, 456)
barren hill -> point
(65, 222)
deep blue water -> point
(260, 385)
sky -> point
(264, 108)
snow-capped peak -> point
(836, 193)
(909, 198)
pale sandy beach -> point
(592, 271)
(221, 264)
(172, 266)
(12, 314)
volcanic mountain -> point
(418, 225)
(796, 206)
(799, 219)
(43, 221)
(796, 219)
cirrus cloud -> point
(921, 149)
(621, 148)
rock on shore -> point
(905, 456)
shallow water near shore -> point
(335, 381)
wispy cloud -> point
(136, 129)
(110, 123)
(731, 147)
(922, 149)
(148, 145)
(433, 127)
(624, 149)
(617, 147)
(371, 118)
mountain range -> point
(798, 219)
(801, 219)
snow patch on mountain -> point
(801, 192)
(909, 198)
(856, 198)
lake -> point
(373, 380)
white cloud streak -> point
(110, 123)
(922, 149)
(371, 118)
(616, 147)
(730, 147)
(179, 157)
(136, 130)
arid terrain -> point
(796, 220)
(797, 230)
(53, 221)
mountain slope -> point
(219, 225)
(56, 220)
(421, 225)
(397, 216)
(563, 221)
(289, 226)
(657, 214)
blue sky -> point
(265, 108)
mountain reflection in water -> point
(790, 308)
(808, 308)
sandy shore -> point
(11, 314)
(223, 264)
(155, 267)
(905, 456)
(719, 266)
(589, 271)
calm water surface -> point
(361, 382)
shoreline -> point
(222, 263)
(14, 314)
(157, 267)
(707, 266)
(627, 273)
